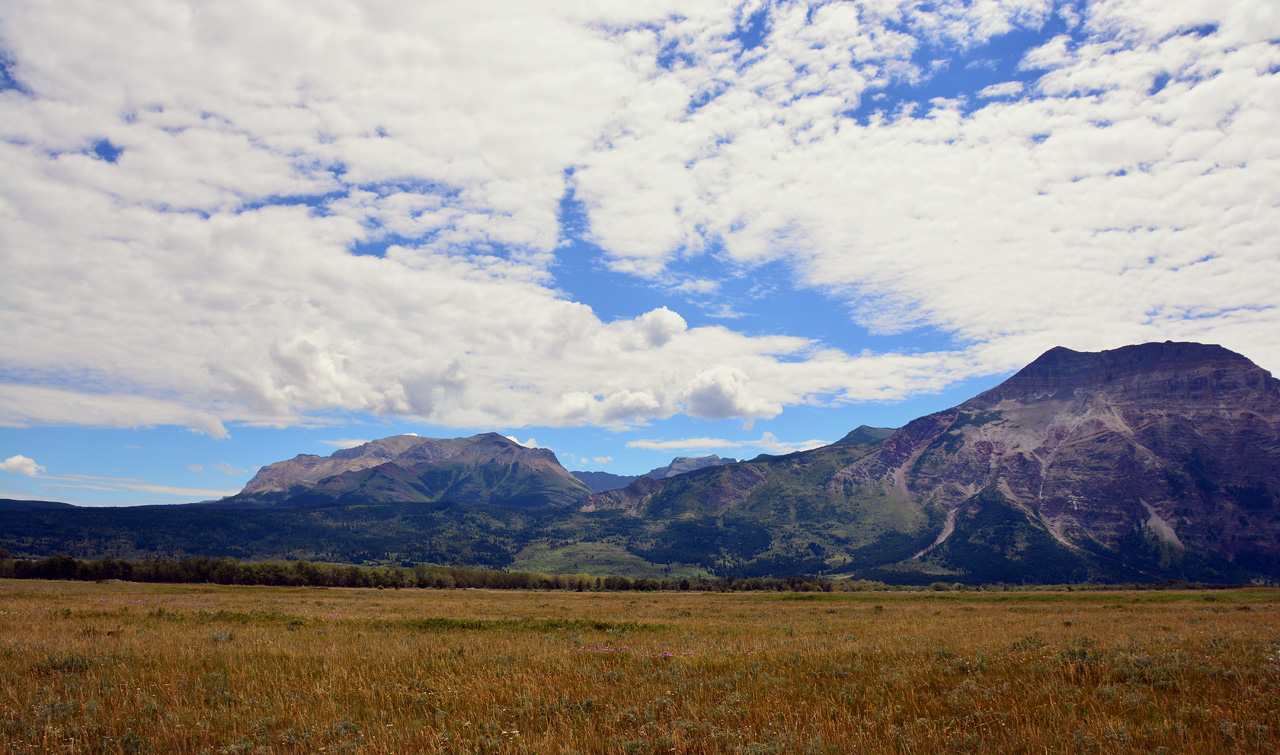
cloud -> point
(722, 392)
(1003, 89)
(684, 444)
(128, 485)
(1052, 54)
(768, 442)
(22, 465)
(209, 276)
(344, 442)
(227, 468)
(1099, 212)
(24, 405)
(696, 286)
(530, 443)
(197, 468)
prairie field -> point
(137, 668)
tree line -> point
(227, 571)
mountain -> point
(10, 504)
(865, 434)
(1158, 460)
(685, 464)
(771, 515)
(486, 468)
(601, 482)
(1164, 457)
(1148, 462)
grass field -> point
(125, 668)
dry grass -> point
(91, 668)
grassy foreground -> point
(125, 668)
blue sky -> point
(233, 233)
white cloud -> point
(1052, 54)
(229, 469)
(197, 468)
(159, 289)
(530, 443)
(684, 444)
(1003, 89)
(344, 442)
(722, 392)
(28, 405)
(768, 442)
(22, 465)
(696, 286)
(126, 485)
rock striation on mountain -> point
(1145, 453)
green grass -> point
(596, 559)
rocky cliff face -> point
(1168, 447)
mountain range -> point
(1145, 462)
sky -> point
(235, 232)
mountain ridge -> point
(1147, 462)
(601, 482)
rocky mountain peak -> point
(1150, 371)
(685, 464)
(403, 451)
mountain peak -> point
(863, 434)
(404, 450)
(685, 464)
(1170, 369)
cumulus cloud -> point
(22, 465)
(1052, 54)
(723, 392)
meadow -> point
(117, 667)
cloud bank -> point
(257, 213)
